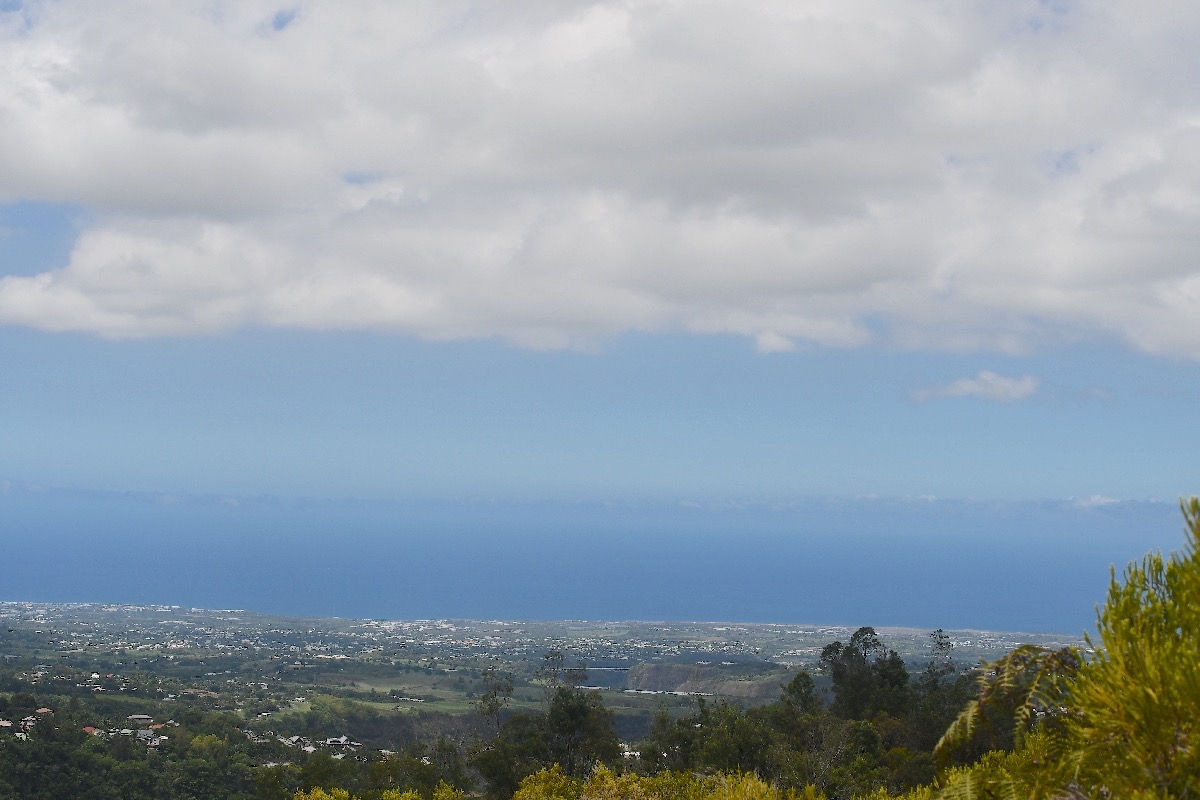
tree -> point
(497, 692)
(850, 672)
(320, 794)
(671, 743)
(941, 661)
(940, 694)
(576, 732)
(889, 685)
(580, 730)
(731, 741)
(799, 695)
(519, 750)
(554, 673)
(550, 783)
(867, 677)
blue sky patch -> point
(36, 237)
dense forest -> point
(1118, 718)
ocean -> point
(916, 563)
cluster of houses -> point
(21, 728)
(145, 730)
(340, 745)
(96, 682)
(106, 683)
(152, 735)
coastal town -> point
(281, 675)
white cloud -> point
(1095, 501)
(986, 385)
(952, 176)
(771, 342)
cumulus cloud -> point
(986, 385)
(935, 175)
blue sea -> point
(952, 564)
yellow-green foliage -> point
(396, 794)
(740, 786)
(1027, 681)
(208, 746)
(1129, 721)
(549, 784)
(669, 785)
(1137, 704)
(1025, 773)
(920, 793)
(604, 784)
(323, 794)
(442, 792)
(809, 792)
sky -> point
(645, 256)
